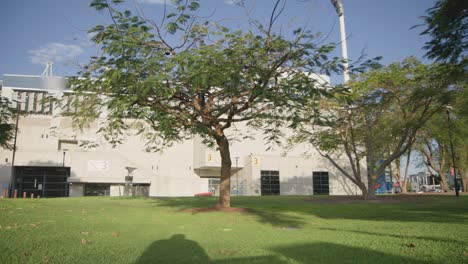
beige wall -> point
(169, 173)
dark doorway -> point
(97, 189)
(321, 183)
(270, 184)
(43, 181)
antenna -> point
(48, 71)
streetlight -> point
(128, 179)
(344, 50)
(447, 108)
(12, 182)
(237, 176)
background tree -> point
(446, 23)
(377, 121)
(432, 142)
(7, 129)
(214, 77)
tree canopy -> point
(214, 77)
(446, 24)
(377, 121)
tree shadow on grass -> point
(288, 211)
(263, 215)
(434, 239)
(336, 253)
(177, 249)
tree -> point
(7, 130)
(446, 23)
(213, 79)
(433, 143)
(402, 178)
(377, 121)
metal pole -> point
(12, 182)
(344, 49)
(63, 162)
(237, 176)
(452, 152)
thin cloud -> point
(233, 2)
(55, 52)
(157, 2)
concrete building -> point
(53, 159)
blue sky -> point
(34, 31)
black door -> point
(43, 181)
(270, 184)
(321, 183)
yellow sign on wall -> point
(255, 161)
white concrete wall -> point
(170, 173)
(296, 175)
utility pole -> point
(237, 176)
(344, 49)
(12, 173)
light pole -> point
(451, 150)
(129, 180)
(344, 49)
(237, 176)
(12, 173)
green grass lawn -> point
(277, 230)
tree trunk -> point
(396, 171)
(444, 186)
(404, 182)
(225, 181)
(464, 176)
(363, 189)
(403, 185)
(443, 181)
(370, 193)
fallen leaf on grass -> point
(85, 241)
(84, 232)
(34, 225)
(26, 254)
(46, 259)
(411, 245)
(115, 234)
(465, 254)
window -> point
(320, 183)
(270, 184)
(97, 189)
